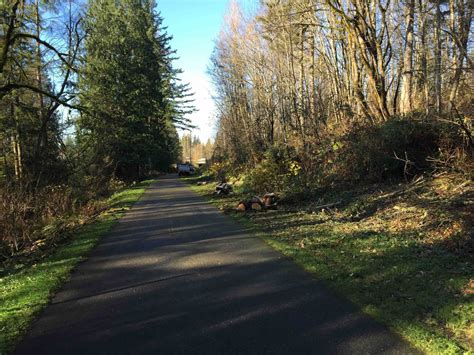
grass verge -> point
(25, 292)
(392, 256)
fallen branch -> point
(412, 186)
(314, 209)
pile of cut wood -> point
(224, 189)
(268, 202)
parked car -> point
(184, 170)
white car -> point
(185, 169)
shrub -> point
(265, 177)
(400, 148)
(218, 171)
(17, 221)
(27, 216)
(395, 149)
(280, 171)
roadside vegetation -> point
(402, 252)
(28, 282)
(358, 116)
(90, 104)
(79, 115)
(75, 124)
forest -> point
(193, 149)
(357, 115)
(347, 91)
(89, 101)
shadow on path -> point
(176, 276)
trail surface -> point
(177, 276)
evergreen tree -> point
(129, 89)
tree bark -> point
(407, 81)
(437, 55)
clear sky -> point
(195, 25)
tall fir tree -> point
(130, 89)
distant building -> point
(202, 162)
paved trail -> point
(177, 276)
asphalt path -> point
(176, 276)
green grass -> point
(415, 287)
(24, 293)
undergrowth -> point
(27, 285)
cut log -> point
(269, 199)
(241, 207)
(256, 206)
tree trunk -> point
(423, 82)
(42, 134)
(407, 76)
(437, 54)
(16, 147)
(460, 38)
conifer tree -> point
(129, 89)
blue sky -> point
(195, 25)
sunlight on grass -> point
(395, 276)
(25, 293)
